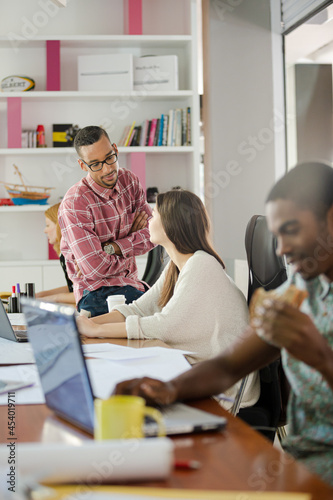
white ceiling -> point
(312, 41)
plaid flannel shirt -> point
(90, 215)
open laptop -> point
(57, 348)
(6, 329)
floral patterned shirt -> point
(310, 405)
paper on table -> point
(121, 351)
(102, 347)
(17, 319)
(30, 395)
(95, 461)
(14, 353)
(125, 353)
(105, 374)
(167, 350)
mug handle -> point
(157, 416)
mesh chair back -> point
(266, 270)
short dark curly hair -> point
(87, 136)
(309, 185)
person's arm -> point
(208, 378)
(112, 324)
(140, 222)
(59, 295)
(89, 328)
(80, 240)
(111, 317)
(53, 291)
(285, 326)
(137, 241)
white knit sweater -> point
(206, 314)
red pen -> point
(187, 464)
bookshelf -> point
(81, 30)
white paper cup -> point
(115, 300)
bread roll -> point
(292, 295)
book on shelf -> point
(160, 132)
(129, 135)
(165, 129)
(135, 138)
(157, 131)
(148, 132)
(144, 133)
(129, 143)
(152, 132)
(184, 126)
(29, 139)
(124, 136)
(169, 129)
(188, 127)
(138, 136)
(178, 127)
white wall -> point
(245, 118)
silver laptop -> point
(6, 329)
(57, 348)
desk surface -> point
(237, 458)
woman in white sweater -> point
(194, 305)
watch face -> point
(109, 249)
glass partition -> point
(308, 70)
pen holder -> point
(122, 417)
(13, 305)
(30, 290)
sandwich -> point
(292, 295)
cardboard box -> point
(105, 72)
(156, 73)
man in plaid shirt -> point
(103, 220)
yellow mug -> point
(122, 417)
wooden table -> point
(237, 458)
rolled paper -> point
(94, 462)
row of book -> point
(171, 129)
(29, 139)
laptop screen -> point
(55, 341)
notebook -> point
(6, 329)
(65, 381)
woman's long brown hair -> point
(186, 224)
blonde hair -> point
(52, 214)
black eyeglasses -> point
(95, 167)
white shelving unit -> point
(24, 208)
(81, 30)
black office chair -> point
(266, 270)
(156, 261)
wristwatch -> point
(109, 249)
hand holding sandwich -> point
(278, 320)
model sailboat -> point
(21, 194)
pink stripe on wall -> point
(136, 162)
(14, 122)
(52, 65)
(133, 17)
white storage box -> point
(105, 72)
(156, 73)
